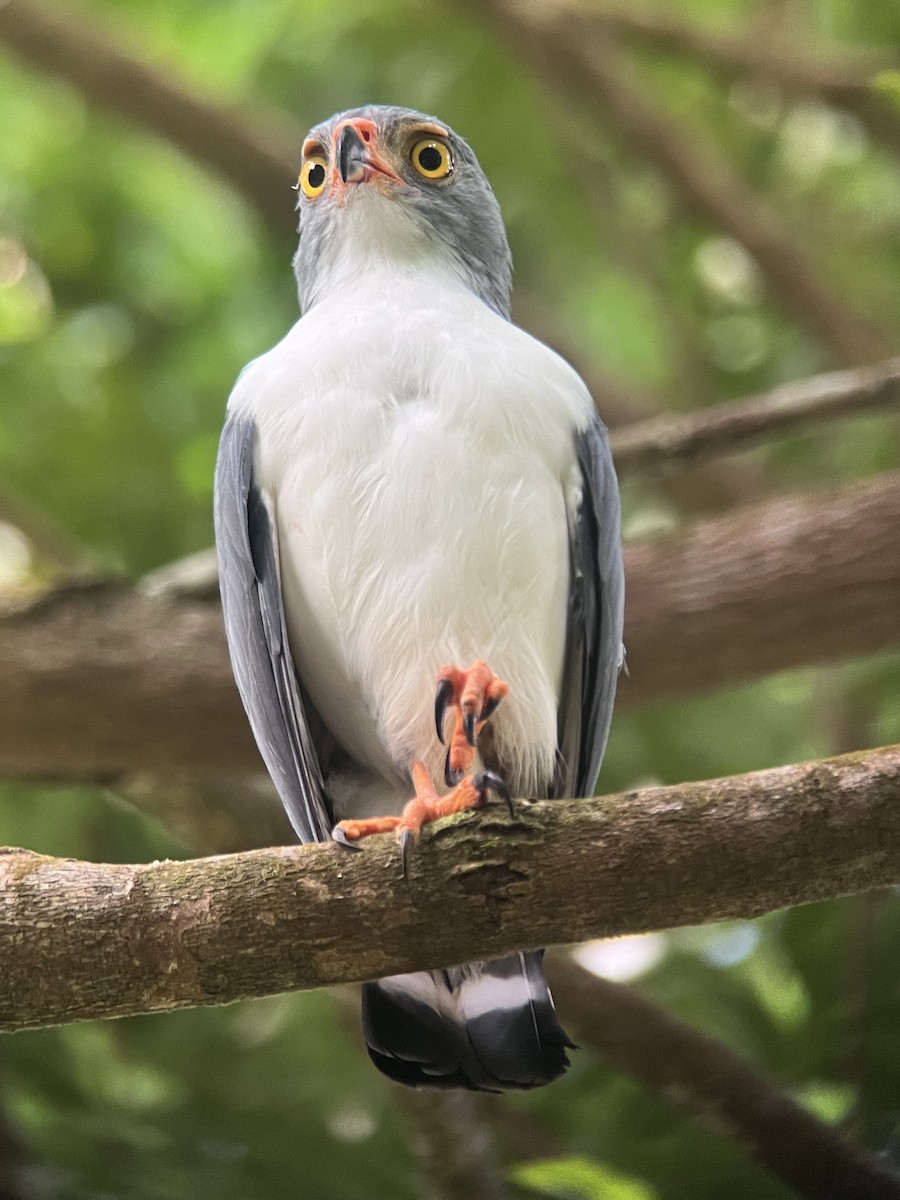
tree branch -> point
(796, 581)
(843, 78)
(824, 69)
(634, 1035)
(585, 75)
(15, 1160)
(101, 682)
(50, 544)
(80, 940)
(707, 487)
(674, 439)
(256, 154)
(453, 1143)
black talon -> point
(490, 707)
(338, 835)
(490, 781)
(469, 727)
(407, 841)
(441, 700)
(451, 777)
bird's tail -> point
(487, 1026)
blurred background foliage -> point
(134, 286)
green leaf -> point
(887, 84)
(579, 1178)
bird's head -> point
(383, 185)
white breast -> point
(418, 453)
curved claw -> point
(451, 777)
(490, 707)
(469, 727)
(441, 700)
(490, 781)
(407, 842)
(338, 835)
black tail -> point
(487, 1026)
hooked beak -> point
(352, 156)
(357, 156)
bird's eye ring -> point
(312, 176)
(432, 158)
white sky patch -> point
(725, 268)
(352, 1124)
(649, 520)
(15, 555)
(622, 959)
(732, 945)
(814, 137)
(13, 262)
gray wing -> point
(594, 652)
(257, 635)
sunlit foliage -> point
(134, 286)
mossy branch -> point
(81, 940)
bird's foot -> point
(473, 695)
(348, 833)
(426, 806)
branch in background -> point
(693, 488)
(257, 154)
(101, 682)
(823, 69)
(453, 1143)
(451, 1138)
(636, 1036)
(587, 76)
(764, 588)
(50, 544)
(81, 940)
(661, 442)
(842, 78)
(15, 1161)
(212, 812)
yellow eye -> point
(312, 176)
(432, 158)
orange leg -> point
(473, 695)
(426, 806)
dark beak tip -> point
(351, 155)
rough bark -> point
(81, 940)
(634, 1035)
(102, 682)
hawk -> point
(417, 521)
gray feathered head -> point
(390, 183)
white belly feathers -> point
(419, 463)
